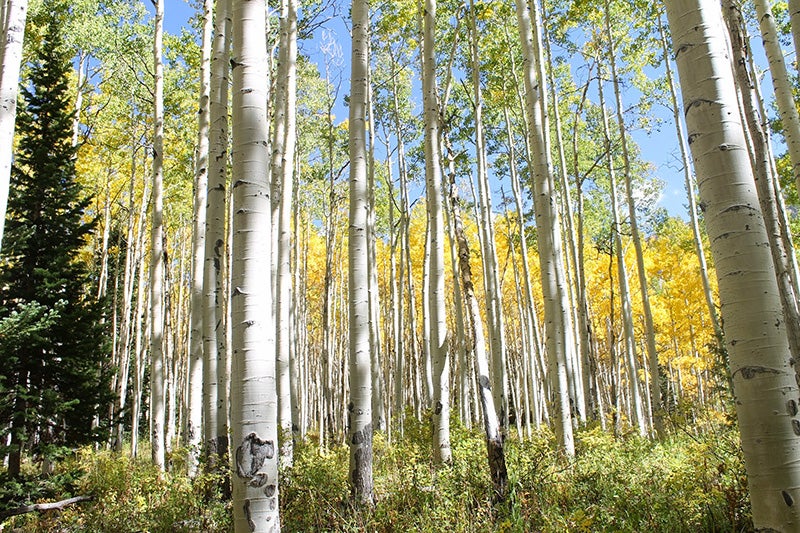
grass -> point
(685, 483)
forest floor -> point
(693, 480)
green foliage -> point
(52, 341)
(687, 483)
(128, 495)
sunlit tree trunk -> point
(359, 408)
(254, 416)
(761, 157)
(14, 16)
(637, 410)
(784, 99)
(656, 410)
(157, 399)
(690, 194)
(440, 353)
(764, 381)
(378, 412)
(214, 323)
(491, 422)
(194, 428)
(283, 181)
(494, 305)
(549, 236)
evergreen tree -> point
(52, 343)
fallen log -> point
(43, 506)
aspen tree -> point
(547, 221)
(157, 377)
(656, 411)
(440, 353)
(254, 416)
(215, 406)
(194, 427)
(491, 423)
(282, 184)
(494, 306)
(763, 379)
(761, 158)
(784, 99)
(359, 408)
(624, 291)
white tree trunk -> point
(194, 428)
(440, 353)
(214, 334)
(764, 381)
(254, 428)
(157, 378)
(359, 409)
(655, 411)
(784, 99)
(15, 14)
(547, 222)
(283, 176)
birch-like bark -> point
(157, 399)
(637, 411)
(763, 378)
(283, 178)
(491, 422)
(194, 428)
(761, 157)
(494, 305)
(214, 335)
(784, 99)
(656, 410)
(15, 14)
(440, 352)
(690, 195)
(254, 416)
(547, 222)
(359, 409)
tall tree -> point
(438, 342)
(215, 404)
(15, 13)
(157, 372)
(254, 414)
(760, 361)
(53, 345)
(196, 359)
(359, 408)
(557, 320)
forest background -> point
(646, 383)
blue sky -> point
(659, 147)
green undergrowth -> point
(685, 483)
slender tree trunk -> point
(637, 410)
(787, 107)
(547, 222)
(254, 416)
(15, 14)
(283, 182)
(440, 352)
(214, 320)
(157, 376)
(194, 430)
(760, 358)
(491, 422)
(359, 409)
(649, 331)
